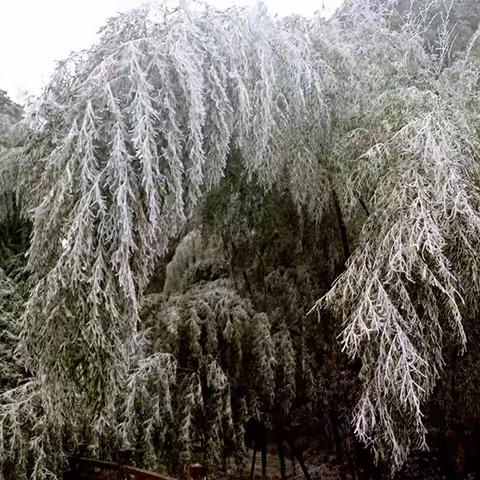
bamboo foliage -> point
(152, 121)
(357, 123)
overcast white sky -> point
(36, 33)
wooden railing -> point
(90, 469)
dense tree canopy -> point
(195, 184)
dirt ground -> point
(326, 469)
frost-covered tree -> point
(134, 131)
(10, 312)
(156, 106)
(10, 114)
(333, 159)
(457, 21)
(14, 224)
(411, 280)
